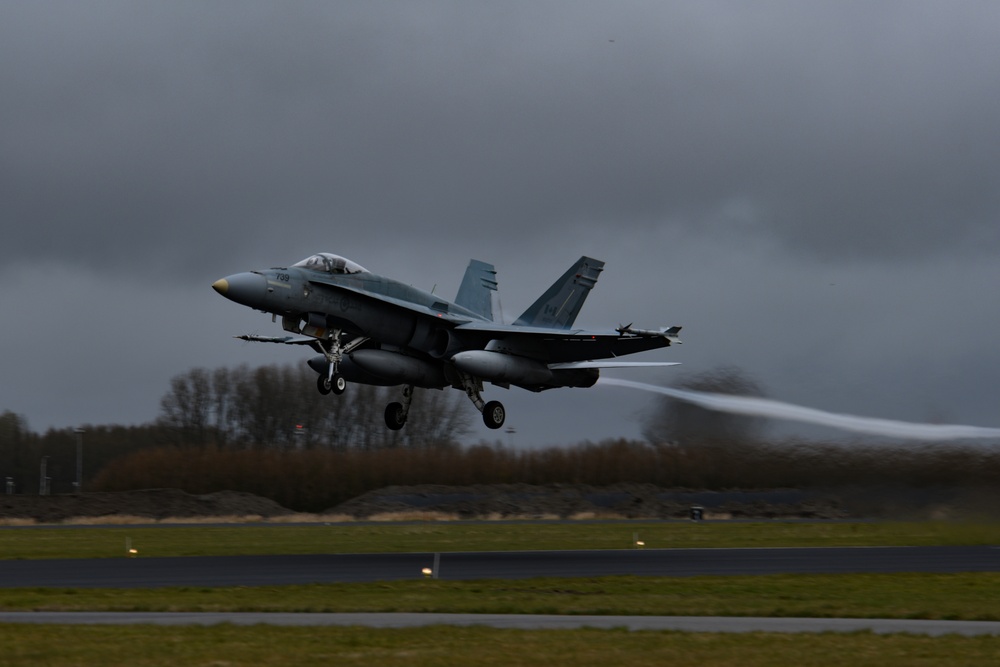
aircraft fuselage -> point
(376, 330)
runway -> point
(517, 621)
(308, 569)
(284, 570)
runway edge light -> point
(129, 551)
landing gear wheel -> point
(325, 384)
(395, 418)
(494, 414)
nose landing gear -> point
(334, 352)
(327, 383)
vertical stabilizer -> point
(561, 303)
(475, 292)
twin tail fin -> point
(558, 307)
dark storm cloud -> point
(771, 175)
(839, 128)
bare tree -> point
(185, 409)
(278, 407)
(436, 419)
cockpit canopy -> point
(329, 263)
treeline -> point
(278, 407)
(267, 431)
(267, 408)
(314, 480)
(23, 451)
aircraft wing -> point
(555, 346)
(611, 363)
(503, 330)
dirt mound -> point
(523, 501)
(631, 501)
(154, 504)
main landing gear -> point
(493, 411)
(494, 414)
(396, 413)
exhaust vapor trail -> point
(762, 407)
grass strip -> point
(965, 596)
(261, 646)
(91, 542)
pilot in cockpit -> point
(329, 263)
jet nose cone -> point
(249, 289)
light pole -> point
(43, 477)
(79, 459)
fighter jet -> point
(371, 329)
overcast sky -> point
(811, 189)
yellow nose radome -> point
(248, 288)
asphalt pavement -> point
(516, 621)
(146, 572)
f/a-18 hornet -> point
(374, 330)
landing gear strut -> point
(334, 352)
(493, 412)
(396, 413)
